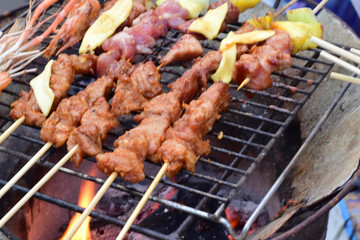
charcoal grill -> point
(251, 127)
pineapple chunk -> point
(262, 22)
(243, 5)
(226, 67)
(300, 33)
(304, 15)
(245, 38)
(44, 95)
(195, 7)
(105, 25)
(210, 24)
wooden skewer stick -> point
(37, 186)
(91, 206)
(246, 81)
(12, 128)
(335, 49)
(345, 78)
(24, 169)
(142, 202)
(341, 62)
(356, 51)
(319, 6)
(289, 4)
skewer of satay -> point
(101, 87)
(64, 71)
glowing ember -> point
(87, 192)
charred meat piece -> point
(133, 147)
(132, 92)
(183, 143)
(96, 122)
(187, 48)
(274, 55)
(57, 127)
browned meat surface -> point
(132, 92)
(133, 147)
(232, 15)
(84, 64)
(167, 104)
(274, 55)
(27, 106)
(57, 127)
(184, 144)
(187, 48)
(195, 79)
(96, 122)
(146, 78)
(63, 74)
(127, 98)
(118, 68)
(124, 162)
(243, 48)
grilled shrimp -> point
(75, 26)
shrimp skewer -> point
(74, 28)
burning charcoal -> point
(138, 236)
(239, 211)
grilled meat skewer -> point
(142, 141)
(63, 73)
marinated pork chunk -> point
(96, 122)
(133, 147)
(195, 79)
(183, 143)
(258, 65)
(57, 127)
(127, 97)
(132, 92)
(63, 73)
(118, 68)
(187, 48)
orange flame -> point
(87, 192)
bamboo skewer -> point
(319, 6)
(24, 169)
(4, 220)
(12, 128)
(289, 4)
(356, 51)
(142, 202)
(91, 206)
(345, 78)
(341, 62)
(331, 47)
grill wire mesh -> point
(250, 127)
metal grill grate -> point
(250, 128)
